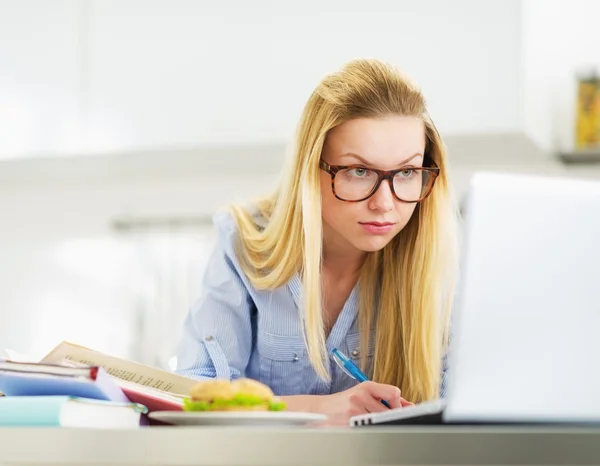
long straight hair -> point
(406, 289)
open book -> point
(155, 388)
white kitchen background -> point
(125, 124)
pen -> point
(351, 369)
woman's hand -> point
(363, 398)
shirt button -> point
(209, 338)
(355, 353)
(296, 358)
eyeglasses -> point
(355, 183)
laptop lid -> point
(526, 332)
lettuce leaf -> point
(276, 406)
(238, 400)
(191, 405)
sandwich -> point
(237, 395)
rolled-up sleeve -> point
(217, 333)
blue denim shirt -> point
(235, 330)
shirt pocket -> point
(282, 363)
(354, 353)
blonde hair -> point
(406, 289)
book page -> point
(122, 369)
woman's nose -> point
(383, 199)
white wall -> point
(118, 75)
(559, 38)
(89, 75)
(40, 82)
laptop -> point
(526, 331)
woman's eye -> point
(407, 172)
(360, 172)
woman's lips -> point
(377, 228)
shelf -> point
(584, 156)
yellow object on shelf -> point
(588, 112)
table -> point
(227, 446)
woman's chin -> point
(372, 243)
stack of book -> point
(74, 386)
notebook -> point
(68, 411)
(37, 379)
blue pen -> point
(351, 369)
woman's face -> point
(388, 143)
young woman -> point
(355, 250)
